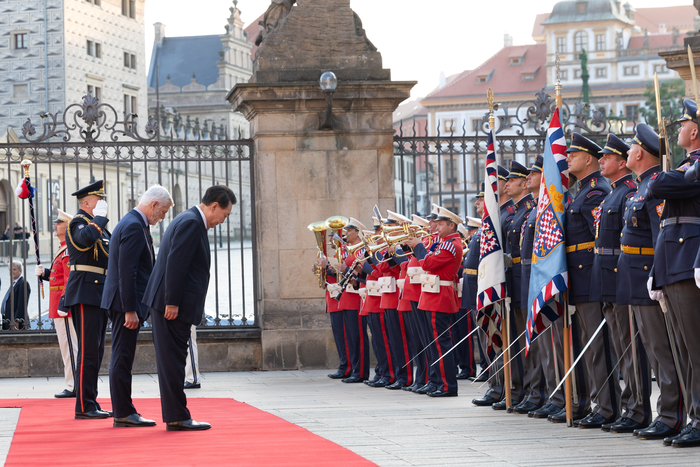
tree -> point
(671, 94)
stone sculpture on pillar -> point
(272, 20)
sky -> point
(417, 39)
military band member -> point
(532, 395)
(674, 268)
(464, 318)
(57, 276)
(639, 239)
(439, 295)
(337, 327)
(88, 249)
(583, 155)
(609, 220)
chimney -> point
(443, 80)
(160, 33)
(507, 40)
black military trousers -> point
(121, 364)
(401, 348)
(341, 342)
(414, 328)
(358, 342)
(465, 352)
(446, 367)
(90, 327)
(171, 340)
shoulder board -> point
(594, 193)
(684, 167)
(631, 184)
(510, 208)
(593, 183)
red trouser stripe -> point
(347, 349)
(386, 348)
(409, 369)
(439, 349)
(362, 347)
(82, 356)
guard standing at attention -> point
(88, 249)
(609, 220)
(639, 235)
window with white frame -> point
(129, 8)
(130, 60)
(93, 48)
(577, 74)
(476, 124)
(601, 72)
(449, 125)
(580, 41)
(20, 40)
(599, 42)
(95, 91)
(632, 70)
(130, 104)
(561, 45)
(564, 75)
(451, 167)
(660, 69)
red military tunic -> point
(60, 268)
(443, 262)
(412, 291)
(372, 302)
(390, 300)
(404, 304)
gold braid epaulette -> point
(99, 242)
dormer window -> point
(482, 79)
(581, 7)
(528, 77)
(516, 60)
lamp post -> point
(328, 83)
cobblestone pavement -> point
(394, 428)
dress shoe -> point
(132, 420)
(396, 385)
(486, 401)
(352, 379)
(606, 426)
(410, 388)
(688, 440)
(465, 374)
(481, 378)
(653, 425)
(501, 405)
(428, 388)
(93, 414)
(337, 375)
(65, 394)
(441, 393)
(560, 417)
(189, 385)
(525, 407)
(593, 420)
(657, 430)
(544, 412)
(668, 441)
(379, 384)
(626, 426)
(187, 425)
(373, 380)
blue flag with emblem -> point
(549, 275)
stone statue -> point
(676, 34)
(272, 20)
(696, 4)
(618, 40)
(646, 39)
(359, 30)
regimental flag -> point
(549, 274)
(491, 275)
(489, 320)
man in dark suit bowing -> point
(131, 261)
(19, 305)
(175, 294)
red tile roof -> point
(537, 28)
(656, 40)
(678, 16)
(506, 78)
(253, 29)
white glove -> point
(654, 294)
(62, 314)
(39, 270)
(697, 277)
(100, 208)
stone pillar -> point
(678, 60)
(303, 174)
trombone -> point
(319, 230)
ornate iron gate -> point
(88, 142)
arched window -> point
(580, 41)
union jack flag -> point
(549, 275)
(491, 275)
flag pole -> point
(504, 307)
(565, 295)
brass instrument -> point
(336, 224)
(319, 230)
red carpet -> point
(241, 435)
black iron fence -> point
(448, 169)
(88, 142)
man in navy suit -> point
(20, 302)
(131, 261)
(175, 294)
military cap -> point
(539, 163)
(355, 224)
(690, 111)
(614, 145)
(480, 194)
(517, 170)
(62, 217)
(419, 221)
(473, 223)
(462, 230)
(377, 224)
(503, 173)
(96, 189)
(447, 215)
(396, 217)
(647, 138)
(433, 214)
(580, 143)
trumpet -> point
(319, 230)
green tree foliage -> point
(671, 94)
